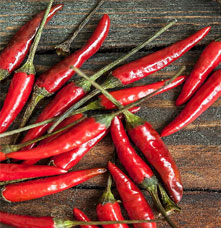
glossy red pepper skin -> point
(199, 103)
(75, 137)
(135, 166)
(50, 185)
(13, 55)
(209, 60)
(108, 209)
(18, 93)
(68, 160)
(80, 216)
(149, 64)
(110, 212)
(10, 172)
(2, 156)
(156, 152)
(130, 95)
(133, 200)
(24, 221)
(54, 78)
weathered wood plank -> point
(199, 209)
(196, 149)
(132, 21)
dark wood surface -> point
(196, 149)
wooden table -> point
(196, 149)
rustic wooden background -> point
(196, 149)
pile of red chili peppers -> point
(80, 131)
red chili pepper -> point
(75, 137)
(132, 94)
(156, 152)
(209, 60)
(149, 64)
(138, 170)
(18, 93)
(24, 221)
(10, 172)
(70, 159)
(13, 55)
(21, 84)
(199, 103)
(108, 209)
(80, 216)
(38, 188)
(52, 80)
(133, 200)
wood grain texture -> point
(196, 149)
(141, 17)
(199, 209)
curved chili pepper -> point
(53, 79)
(75, 137)
(64, 48)
(13, 55)
(156, 152)
(138, 170)
(70, 159)
(199, 103)
(10, 172)
(108, 208)
(133, 200)
(18, 93)
(129, 95)
(209, 60)
(42, 187)
(80, 216)
(149, 64)
(21, 84)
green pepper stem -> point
(8, 133)
(151, 185)
(98, 87)
(107, 196)
(168, 204)
(109, 84)
(13, 148)
(64, 48)
(38, 35)
(68, 223)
